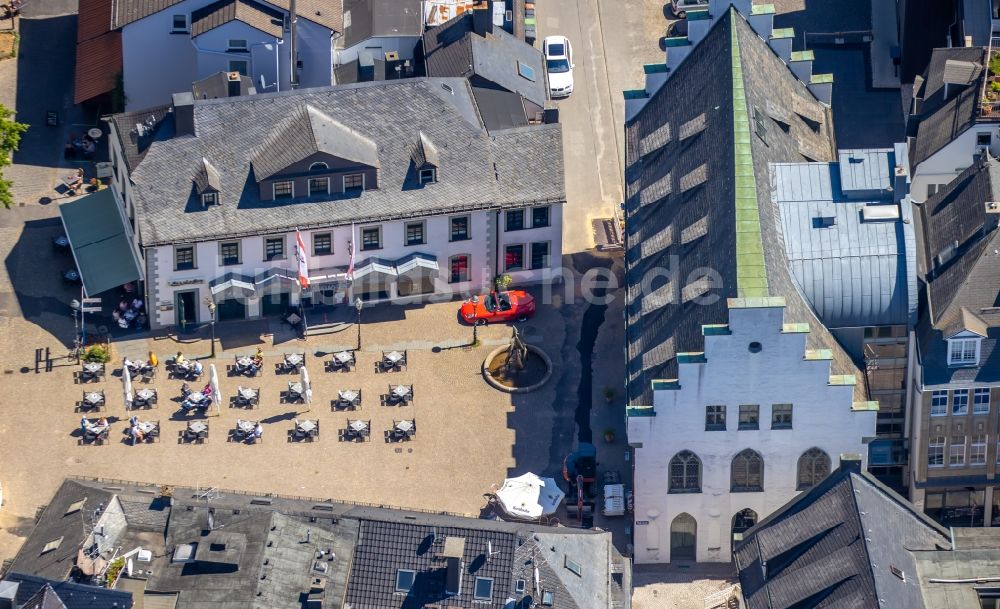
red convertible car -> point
(498, 307)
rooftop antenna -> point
(308, 535)
(489, 550)
(211, 520)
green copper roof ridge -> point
(751, 272)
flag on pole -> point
(350, 248)
(300, 256)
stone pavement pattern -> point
(680, 586)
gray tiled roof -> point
(207, 178)
(40, 593)
(258, 16)
(834, 546)
(703, 83)
(944, 111)
(376, 18)
(477, 169)
(425, 153)
(217, 85)
(328, 13)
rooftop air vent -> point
(993, 207)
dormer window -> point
(210, 198)
(428, 176)
(963, 351)
(284, 189)
(354, 181)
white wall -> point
(404, 45)
(436, 231)
(157, 63)
(213, 56)
(778, 374)
(945, 165)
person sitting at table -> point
(137, 304)
(258, 431)
(197, 368)
(255, 362)
(180, 360)
(75, 181)
(133, 367)
(133, 421)
(136, 433)
(152, 361)
(102, 422)
(84, 423)
(207, 389)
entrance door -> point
(743, 520)
(186, 308)
(683, 536)
(231, 309)
(275, 303)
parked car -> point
(679, 8)
(498, 307)
(558, 65)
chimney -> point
(482, 17)
(850, 462)
(183, 113)
(454, 550)
(234, 83)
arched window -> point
(743, 520)
(747, 472)
(814, 465)
(683, 537)
(318, 167)
(685, 473)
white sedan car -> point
(559, 65)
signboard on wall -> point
(179, 282)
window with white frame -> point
(284, 189)
(939, 403)
(956, 451)
(935, 452)
(428, 176)
(210, 198)
(180, 23)
(238, 44)
(981, 401)
(960, 401)
(963, 351)
(977, 450)
(319, 186)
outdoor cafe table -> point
(92, 367)
(306, 426)
(404, 426)
(357, 425)
(93, 398)
(146, 426)
(246, 427)
(247, 394)
(347, 395)
(295, 388)
(344, 357)
(293, 359)
(244, 361)
(96, 429)
(401, 391)
(197, 427)
(196, 397)
(145, 394)
(394, 357)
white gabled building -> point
(746, 425)
(210, 194)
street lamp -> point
(211, 323)
(75, 305)
(358, 305)
(475, 323)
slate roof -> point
(217, 85)
(328, 13)
(271, 552)
(960, 241)
(374, 18)
(454, 49)
(854, 272)
(478, 169)
(257, 16)
(834, 546)
(40, 593)
(670, 228)
(944, 112)
(137, 130)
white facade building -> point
(745, 426)
(433, 205)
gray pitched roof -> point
(687, 230)
(40, 593)
(271, 552)
(328, 13)
(425, 153)
(479, 169)
(257, 16)
(306, 132)
(207, 178)
(218, 85)
(853, 272)
(944, 111)
(834, 546)
(364, 19)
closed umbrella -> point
(529, 497)
(127, 384)
(213, 378)
(307, 392)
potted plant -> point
(97, 353)
(609, 435)
(502, 282)
(609, 393)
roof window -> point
(483, 590)
(52, 545)
(405, 579)
(525, 71)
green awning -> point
(96, 232)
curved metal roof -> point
(853, 270)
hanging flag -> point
(350, 249)
(300, 256)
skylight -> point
(548, 597)
(484, 589)
(526, 71)
(52, 545)
(573, 566)
(405, 579)
(76, 506)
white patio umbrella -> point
(213, 378)
(307, 392)
(127, 385)
(529, 496)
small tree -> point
(10, 138)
